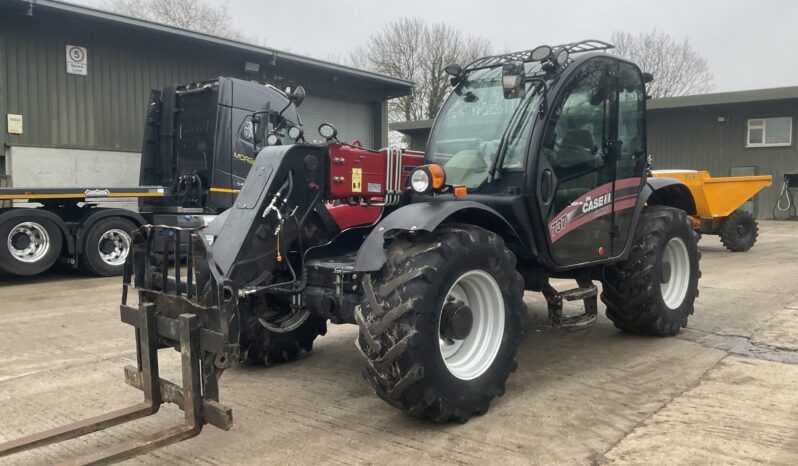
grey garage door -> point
(354, 120)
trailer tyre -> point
(106, 246)
(739, 231)
(440, 324)
(29, 245)
(653, 291)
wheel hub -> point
(457, 319)
(471, 325)
(666, 272)
(28, 242)
(20, 241)
(114, 246)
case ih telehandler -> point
(536, 168)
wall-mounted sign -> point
(14, 124)
(77, 60)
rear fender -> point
(427, 216)
(668, 192)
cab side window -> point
(631, 118)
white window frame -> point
(761, 123)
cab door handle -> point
(546, 186)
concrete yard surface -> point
(725, 391)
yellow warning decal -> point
(357, 180)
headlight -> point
(327, 131)
(272, 139)
(294, 132)
(427, 178)
(420, 181)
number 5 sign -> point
(77, 60)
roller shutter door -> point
(354, 120)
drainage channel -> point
(740, 346)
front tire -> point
(441, 323)
(739, 231)
(653, 291)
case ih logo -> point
(593, 204)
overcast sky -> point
(749, 44)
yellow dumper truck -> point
(718, 201)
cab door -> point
(576, 169)
(629, 149)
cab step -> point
(586, 292)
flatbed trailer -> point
(66, 224)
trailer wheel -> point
(739, 231)
(29, 245)
(106, 246)
(653, 291)
(273, 337)
(441, 323)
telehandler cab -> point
(536, 168)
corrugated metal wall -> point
(693, 138)
(105, 109)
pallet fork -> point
(165, 317)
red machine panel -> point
(361, 174)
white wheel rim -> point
(38, 242)
(675, 257)
(121, 243)
(470, 357)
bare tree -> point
(412, 49)
(677, 68)
(196, 15)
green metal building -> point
(729, 134)
(75, 81)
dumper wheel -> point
(441, 322)
(272, 337)
(652, 292)
(739, 231)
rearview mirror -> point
(513, 80)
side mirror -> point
(297, 96)
(648, 77)
(260, 122)
(455, 71)
(513, 80)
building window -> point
(769, 132)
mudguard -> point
(670, 192)
(426, 216)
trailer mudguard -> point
(668, 191)
(427, 216)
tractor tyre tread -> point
(631, 289)
(395, 324)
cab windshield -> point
(469, 129)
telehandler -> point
(536, 168)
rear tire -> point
(739, 231)
(29, 245)
(278, 340)
(653, 291)
(410, 362)
(106, 246)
